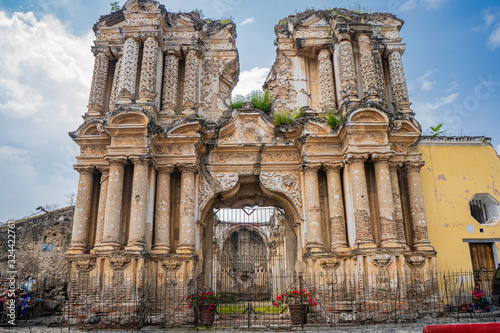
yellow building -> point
(459, 182)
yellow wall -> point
(452, 174)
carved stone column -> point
(398, 81)
(170, 83)
(327, 88)
(99, 80)
(336, 208)
(162, 216)
(128, 71)
(102, 205)
(138, 207)
(367, 64)
(113, 212)
(116, 84)
(81, 220)
(388, 233)
(191, 82)
(149, 68)
(398, 208)
(379, 71)
(347, 68)
(187, 209)
(417, 208)
(313, 212)
(360, 203)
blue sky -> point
(452, 66)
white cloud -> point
(251, 80)
(431, 114)
(247, 21)
(494, 38)
(453, 85)
(44, 87)
(425, 83)
(434, 3)
(411, 4)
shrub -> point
(333, 119)
(295, 296)
(262, 100)
(236, 102)
(282, 118)
(298, 113)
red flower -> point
(303, 290)
(190, 306)
(275, 304)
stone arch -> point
(368, 115)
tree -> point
(70, 199)
(115, 6)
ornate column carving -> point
(379, 71)
(187, 209)
(99, 79)
(313, 213)
(149, 68)
(116, 84)
(388, 233)
(417, 208)
(367, 64)
(398, 208)
(128, 71)
(81, 220)
(113, 211)
(327, 88)
(191, 82)
(360, 203)
(347, 68)
(170, 83)
(162, 216)
(336, 208)
(102, 205)
(398, 81)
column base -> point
(188, 111)
(185, 249)
(367, 246)
(76, 250)
(391, 244)
(109, 246)
(161, 249)
(426, 247)
(341, 249)
(134, 248)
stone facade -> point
(161, 148)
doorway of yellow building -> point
(483, 262)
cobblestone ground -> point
(385, 328)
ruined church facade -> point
(162, 151)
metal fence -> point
(337, 299)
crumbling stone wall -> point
(31, 233)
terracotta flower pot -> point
(298, 314)
(207, 315)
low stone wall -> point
(31, 233)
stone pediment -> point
(141, 5)
(247, 127)
(314, 21)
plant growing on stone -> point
(333, 119)
(199, 12)
(282, 118)
(115, 6)
(262, 100)
(237, 101)
(435, 131)
(298, 113)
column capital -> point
(114, 160)
(84, 169)
(343, 36)
(336, 166)
(101, 50)
(125, 35)
(191, 49)
(395, 164)
(187, 167)
(355, 158)
(363, 35)
(391, 48)
(414, 165)
(165, 168)
(117, 51)
(311, 167)
(381, 157)
(152, 34)
(172, 50)
(141, 160)
(104, 169)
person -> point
(480, 300)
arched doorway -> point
(250, 243)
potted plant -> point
(207, 304)
(298, 301)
